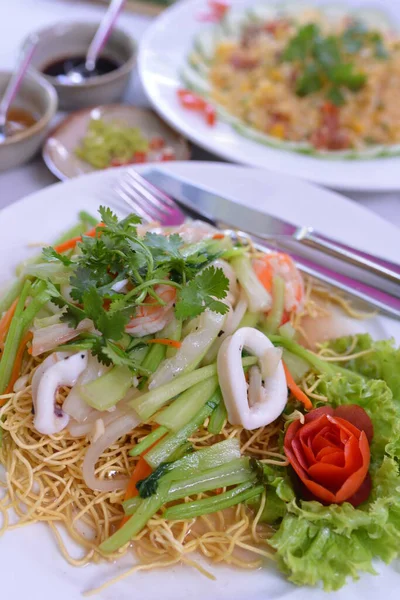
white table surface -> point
(19, 17)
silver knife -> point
(223, 211)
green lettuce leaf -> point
(382, 362)
(328, 544)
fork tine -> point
(133, 205)
(139, 189)
(138, 201)
(163, 198)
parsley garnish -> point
(325, 61)
(120, 254)
(200, 293)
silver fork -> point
(151, 204)
(147, 201)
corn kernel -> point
(277, 130)
(357, 127)
(275, 75)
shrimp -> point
(278, 263)
(194, 231)
(152, 316)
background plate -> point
(160, 76)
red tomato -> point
(156, 143)
(210, 114)
(139, 157)
(168, 154)
(190, 100)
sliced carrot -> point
(5, 322)
(165, 342)
(218, 236)
(141, 471)
(69, 244)
(17, 363)
(296, 391)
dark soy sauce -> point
(61, 67)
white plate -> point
(160, 72)
(33, 566)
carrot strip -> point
(141, 471)
(296, 391)
(5, 322)
(69, 244)
(165, 342)
(218, 236)
(17, 364)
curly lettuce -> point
(317, 544)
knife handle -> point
(381, 268)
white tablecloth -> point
(19, 17)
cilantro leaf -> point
(120, 357)
(200, 293)
(162, 245)
(111, 325)
(51, 255)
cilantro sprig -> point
(120, 254)
(326, 61)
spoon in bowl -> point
(78, 74)
(14, 84)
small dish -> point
(59, 149)
(38, 97)
(64, 40)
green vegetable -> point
(324, 60)
(120, 254)
(148, 441)
(144, 511)
(237, 495)
(164, 449)
(13, 339)
(200, 293)
(382, 362)
(11, 294)
(195, 462)
(328, 544)
(218, 418)
(274, 318)
(106, 391)
(105, 142)
(150, 402)
(298, 367)
(185, 407)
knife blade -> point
(303, 241)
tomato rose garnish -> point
(330, 454)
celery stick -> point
(150, 402)
(163, 450)
(217, 419)
(274, 318)
(144, 511)
(40, 297)
(250, 319)
(13, 339)
(148, 441)
(257, 296)
(106, 391)
(73, 232)
(287, 330)
(185, 407)
(318, 363)
(11, 294)
(87, 219)
(174, 331)
(297, 366)
(153, 357)
(188, 510)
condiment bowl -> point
(38, 97)
(64, 40)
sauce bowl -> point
(64, 40)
